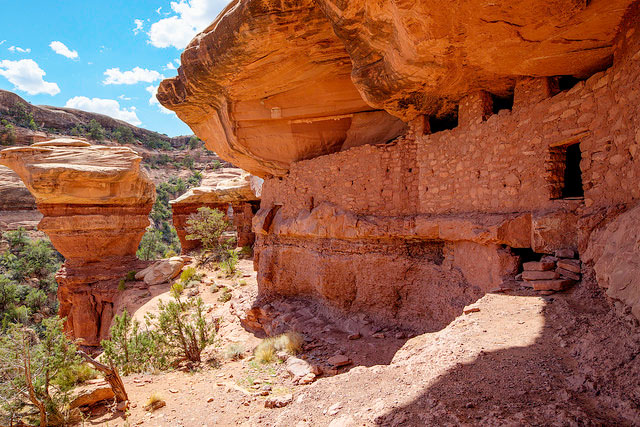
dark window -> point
(502, 103)
(564, 174)
(573, 173)
(438, 124)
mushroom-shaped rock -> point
(95, 201)
(226, 188)
(269, 83)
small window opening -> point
(438, 124)
(573, 173)
(567, 82)
(502, 103)
(565, 175)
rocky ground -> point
(513, 358)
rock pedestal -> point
(95, 201)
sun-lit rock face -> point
(96, 202)
(270, 83)
(229, 187)
(95, 199)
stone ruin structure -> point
(229, 190)
(95, 201)
(416, 154)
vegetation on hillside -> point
(161, 238)
(27, 279)
(179, 332)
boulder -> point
(614, 253)
(91, 394)
(161, 271)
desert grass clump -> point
(154, 402)
(226, 295)
(265, 352)
(291, 343)
(234, 351)
(122, 285)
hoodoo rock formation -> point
(415, 154)
(95, 201)
(228, 188)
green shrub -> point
(226, 295)
(96, 132)
(28, 363)
(131, 276)
(183, 329)
(229, 263)
(122, 285)
(132, 349)
(70, 376)
(207, 225)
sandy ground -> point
(520, 359)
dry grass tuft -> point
(154, 402)
(291, 342)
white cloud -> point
(137, 75)
(2, 42)
(61, 49)
(19, 49)
(27, 76)
(158, 10)
(153, 91)
(124, 98)
(109, 107)
(170, 66)
(192, 16)
(139, 26)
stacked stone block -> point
(552, 273)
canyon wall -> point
(516, 146)
(95, 201)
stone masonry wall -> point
(447, 187)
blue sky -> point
(102, 56)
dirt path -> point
(522, 359)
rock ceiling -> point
(271, 82)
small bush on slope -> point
(29, 365)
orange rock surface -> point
(270, 83)
(95, 201)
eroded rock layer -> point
(95, 201)
(270, 82)
(228, 188)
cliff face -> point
(518, 138)
(95, 201)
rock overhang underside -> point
(271, 83)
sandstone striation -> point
(95, 201)
(17, 205)
(270, 83)
(224, 189)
